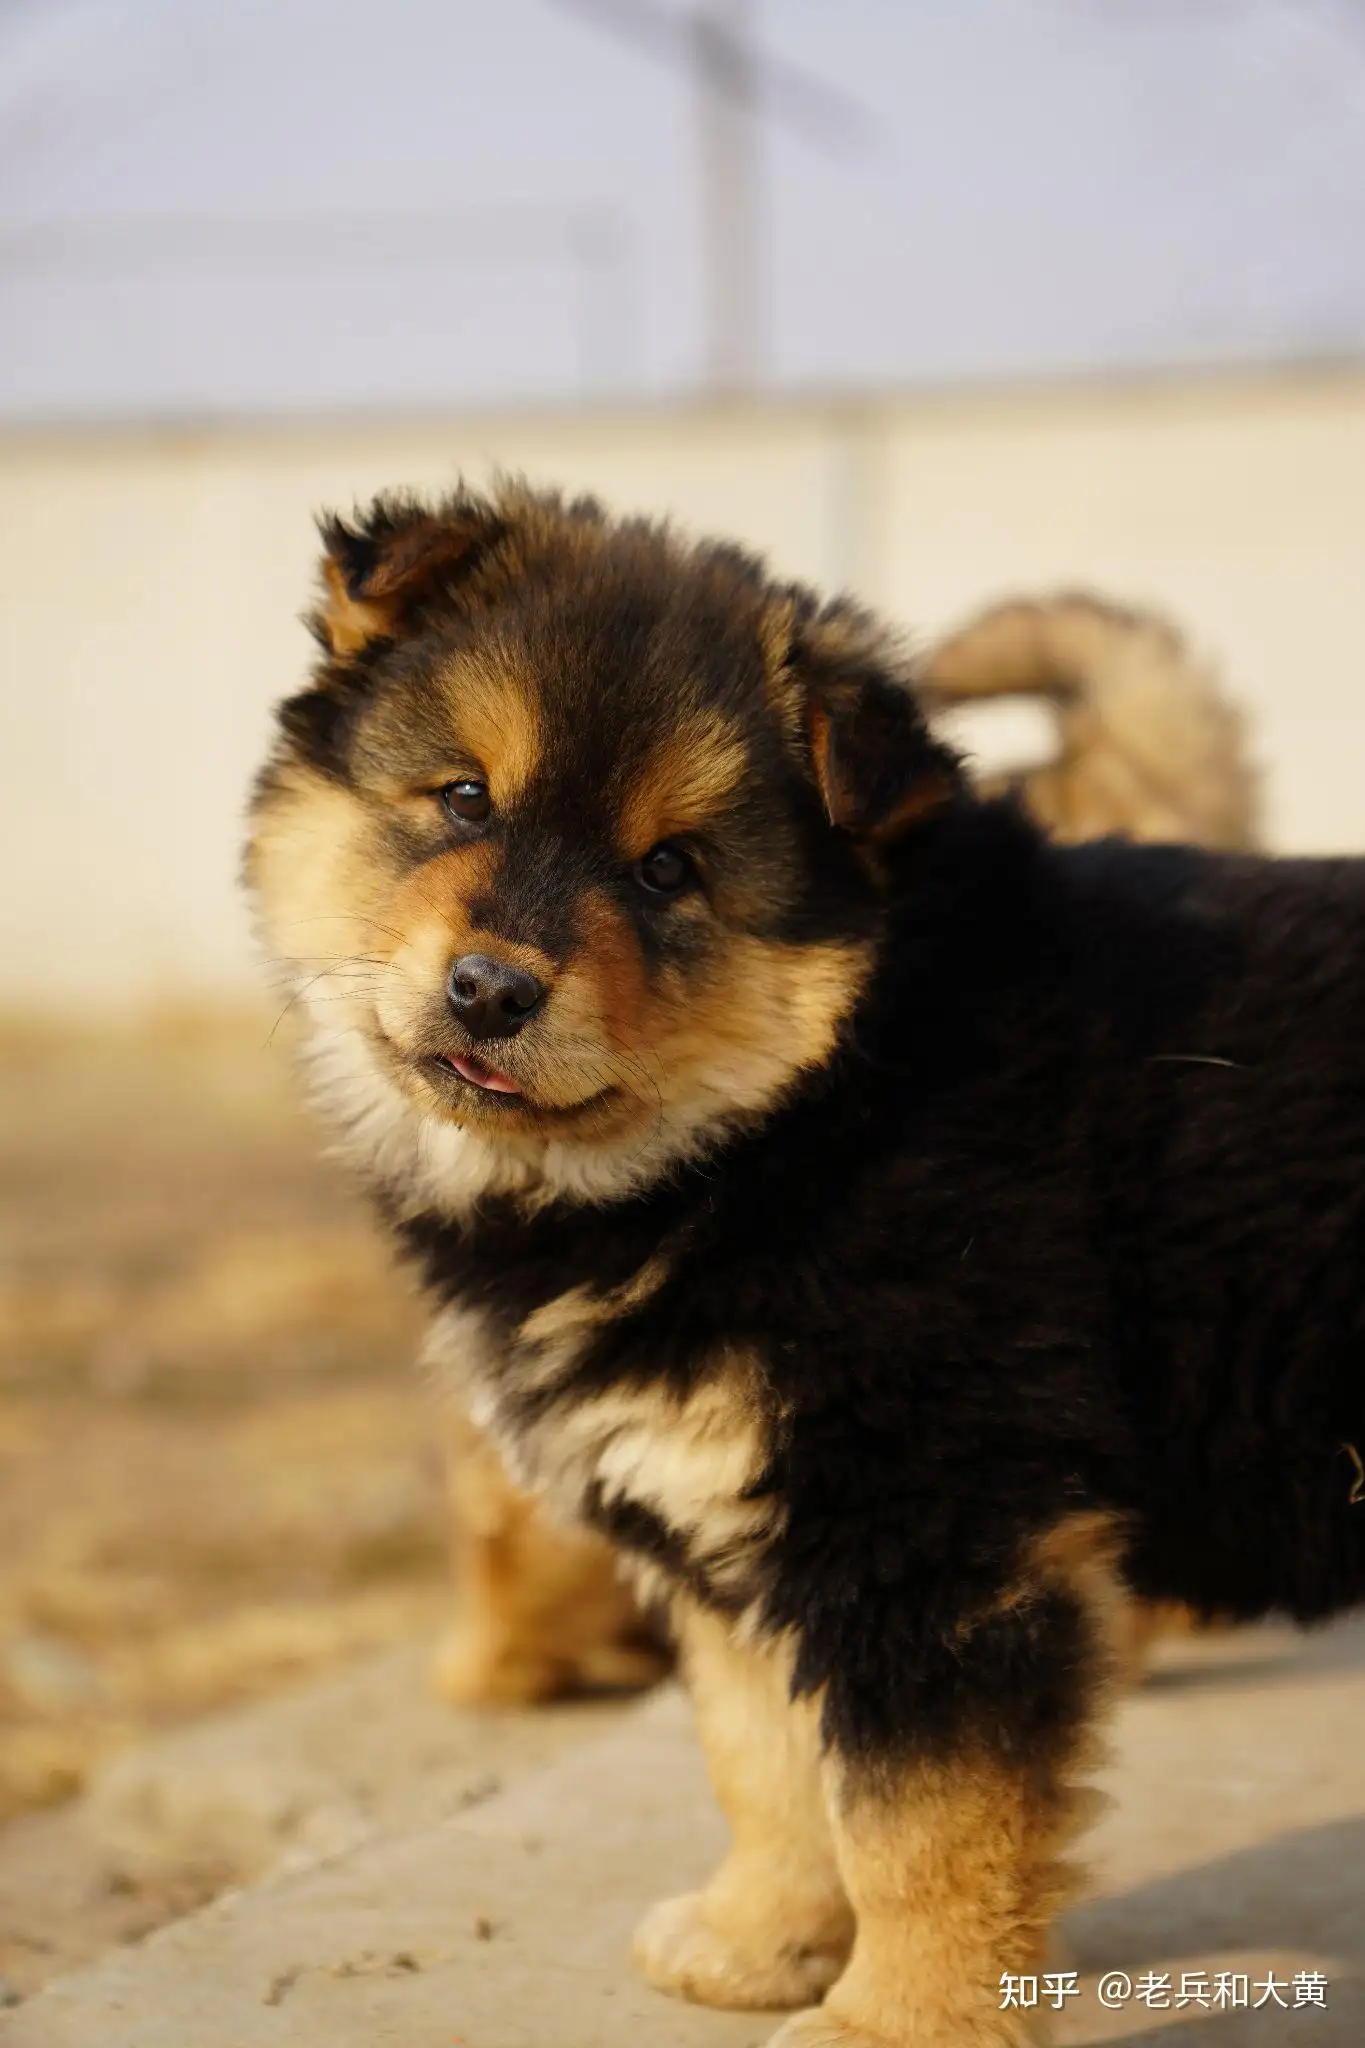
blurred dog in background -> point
(1146, 744)
(1139, 739)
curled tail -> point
(1148, 744)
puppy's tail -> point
(1148, 744)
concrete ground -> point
(469, 1917)
(172, 1822)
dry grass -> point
(215, 1471)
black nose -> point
(491, 998)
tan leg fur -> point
(956, 1867)
(955, 1873)
(773, 1926)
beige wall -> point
(150, 585)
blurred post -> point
(729, 189)
(734, 87)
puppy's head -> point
(573, 847)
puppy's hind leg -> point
(773, 1926)
(540, 1611)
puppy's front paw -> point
(679, 1950)
(821, 2029)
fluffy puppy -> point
(1147, 744)
(900, 1234)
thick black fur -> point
(1076, 1220)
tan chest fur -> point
(692, 1461)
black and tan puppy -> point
(1146, 743)
(901, 1234)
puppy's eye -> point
(467, 800)
(665, 870)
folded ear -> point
(850, 695)
(377, 570)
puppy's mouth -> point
(478, 1073)
(494, 1087)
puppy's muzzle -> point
(491, 998)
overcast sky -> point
(213, 206)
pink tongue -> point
(482, 1076)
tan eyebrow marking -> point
(495, 715)
(686, 780)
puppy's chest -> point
(674, 1477)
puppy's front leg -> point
(952, 1839)
(773, 1926)
(953, 1874)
